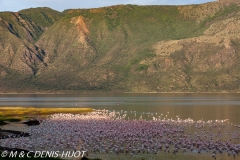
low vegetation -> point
(15, 114)
(3, 119)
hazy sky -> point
(60, 5)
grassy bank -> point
(15, 114)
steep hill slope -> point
(192, 48)
(19, 56)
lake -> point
(204, 106)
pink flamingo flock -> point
(109, 132)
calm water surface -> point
(195, 106)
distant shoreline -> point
(177, 92)
(99, 92)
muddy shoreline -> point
(16, 130)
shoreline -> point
(181, 92)
(15, 127)
(99, 92)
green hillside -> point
(123, 48)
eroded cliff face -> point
(17, 51)
(131, 48)
(69, 54)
